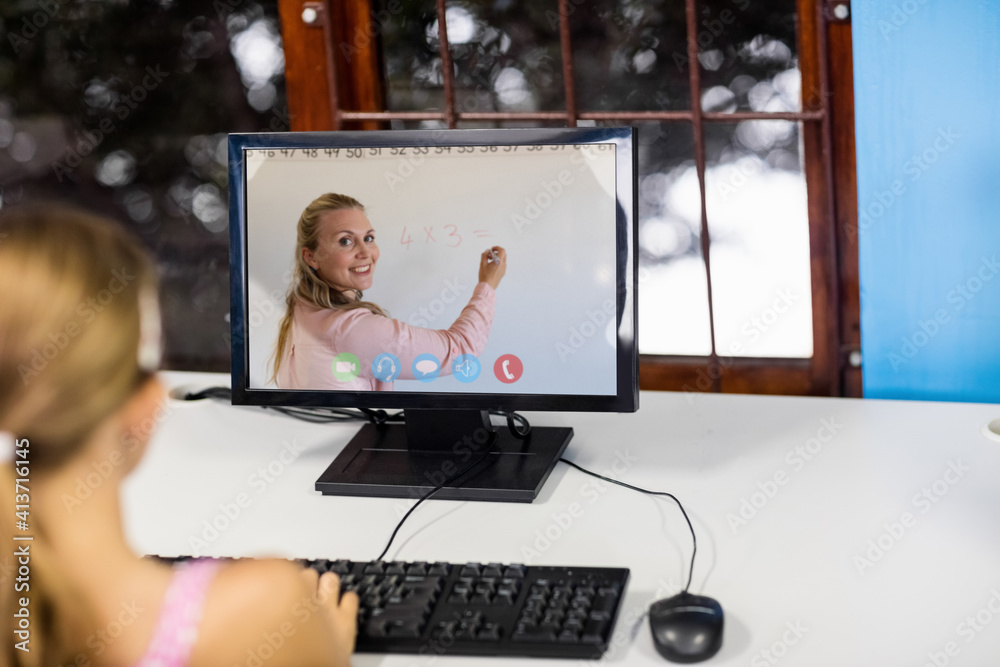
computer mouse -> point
(686, 627)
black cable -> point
(210, 392)
(694, 540)
(317, 415)
(377, 417)
(489, 450)
(519, 433)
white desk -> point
(792, 564)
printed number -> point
(311, 152)
(270, 153)
(534, 148)
(406, 240)
(455, 235)
(421, 150)
(398, 151)
(491, 149)
(510, 149)
(374, 151)
(23, 516)
(355, 152)
(442, 149)
(21, 497)
(288, 153)
(466, 149)
(332, 152)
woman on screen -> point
(79, 400)
(330, 338)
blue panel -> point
(927, 77)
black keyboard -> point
(475, 609)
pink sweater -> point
(318, 335)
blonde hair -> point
(69, 336)
(307, 286)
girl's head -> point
(78, 326)
(335, 257)
(79, 340)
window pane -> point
(749, 55)
(630, 55)
(673, 296)
(413, 78)
(506, 57)
(123, 108)
(759, 225)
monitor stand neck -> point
(440, 430)
(408, 461)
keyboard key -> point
(489, 632)
(569, 636)
(339, 567)
(505, 596)
(605, 604)
(378, 567)
(515, 571)
(527, 633)
(404, 627)
(593, 631)
(470, 570)
(417, 569)
(439, 569)
(493, 570)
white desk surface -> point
(930, 596)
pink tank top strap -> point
(177, 627)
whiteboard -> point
(434, 211)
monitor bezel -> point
(626, 398)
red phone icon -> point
(508, 368)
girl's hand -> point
(492, 272)
(342, 612)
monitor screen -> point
(417, 211)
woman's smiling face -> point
(347, 253)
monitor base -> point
(378, 463)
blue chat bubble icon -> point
(426, 367)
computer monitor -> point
(558, 333)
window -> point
(748, 261)
(123, 109)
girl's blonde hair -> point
(307, 286)
(69, 339)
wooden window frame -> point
(327, 90)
